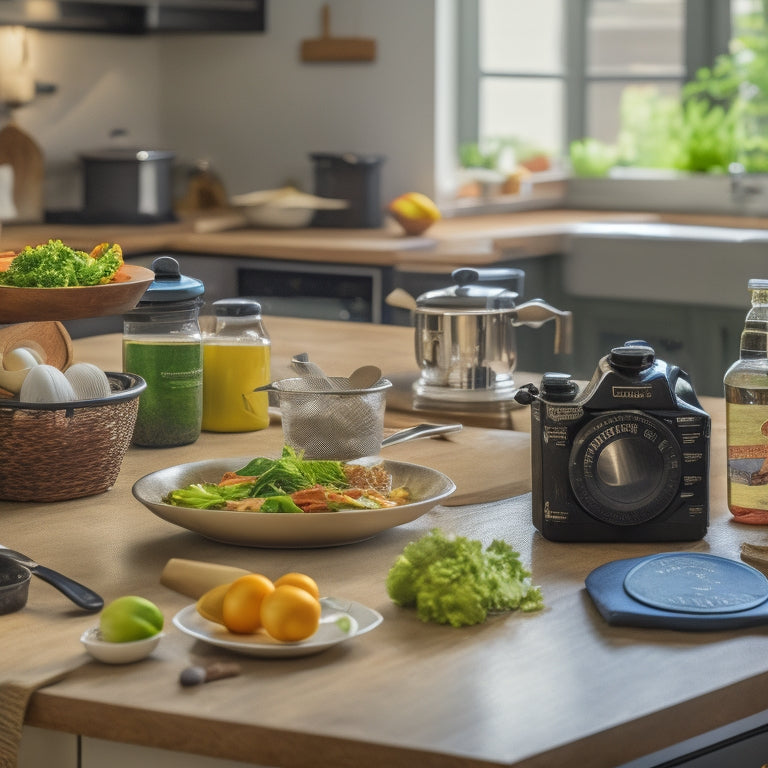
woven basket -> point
(58, 451)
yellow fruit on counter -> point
(290, 613)
(210, 605)
(241, 605)
(414, 212)
(300, 580)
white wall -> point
(245, 101)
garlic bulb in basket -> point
(88, 381)
(46, 384)
(20, 358)
(15, 365)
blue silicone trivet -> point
(605, 585)
(693, 582)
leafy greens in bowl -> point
(427, 487)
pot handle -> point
(469, 275)
(536, 312)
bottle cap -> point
(169, 284)
(757, 284)
(242, 307)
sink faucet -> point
(741, 191)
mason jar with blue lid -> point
(162, 343)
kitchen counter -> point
(459, 241)
(559, 687)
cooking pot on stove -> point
(465, 333)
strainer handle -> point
(419, 430)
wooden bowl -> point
(19, 305)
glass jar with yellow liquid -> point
(236, 360)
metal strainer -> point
(331, 420)
(338, 423)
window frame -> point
(707, 34)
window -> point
(547, 72)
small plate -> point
(319, 529)
(18, 305)
(118, 653)
(340, 620)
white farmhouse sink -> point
(664, 262)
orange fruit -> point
(241, 605)
(300, 580)
(290, 613)
(209, 605)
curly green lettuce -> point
(55, 265)
(452, 580)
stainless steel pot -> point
(128, 185)
(465, 334)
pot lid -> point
(467, 294)
(169, 284)
(120, 154)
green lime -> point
(130, 618)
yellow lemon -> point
(290, 613)
(210, 605)
(241, 605)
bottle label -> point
(747, 457)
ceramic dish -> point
(340, 620)
(319, 529)
(118, 653)
(18, 305)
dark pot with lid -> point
(128, 186)
(465, 333)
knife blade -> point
(80, 595)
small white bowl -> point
(118, 653)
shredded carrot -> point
(6, 257)
(121, 276)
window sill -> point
(546, 190)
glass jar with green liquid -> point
(162, 343)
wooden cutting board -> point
(486, 465)
(19, 150)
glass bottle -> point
(162, 343)
(746, 404)
(236, 360)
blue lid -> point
(169, 284)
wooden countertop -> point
(462, 240)
(560, 687)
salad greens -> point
(274, 478)
(452, 580)
(55, 265)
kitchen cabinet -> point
(138, 16)
(702, 340)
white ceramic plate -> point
(318, 529)
(340, 620)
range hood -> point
(136, 16)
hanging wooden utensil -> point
(327, 48)
(19, 150)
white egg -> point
(46, 384)
(20, 358)
(88, 381)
